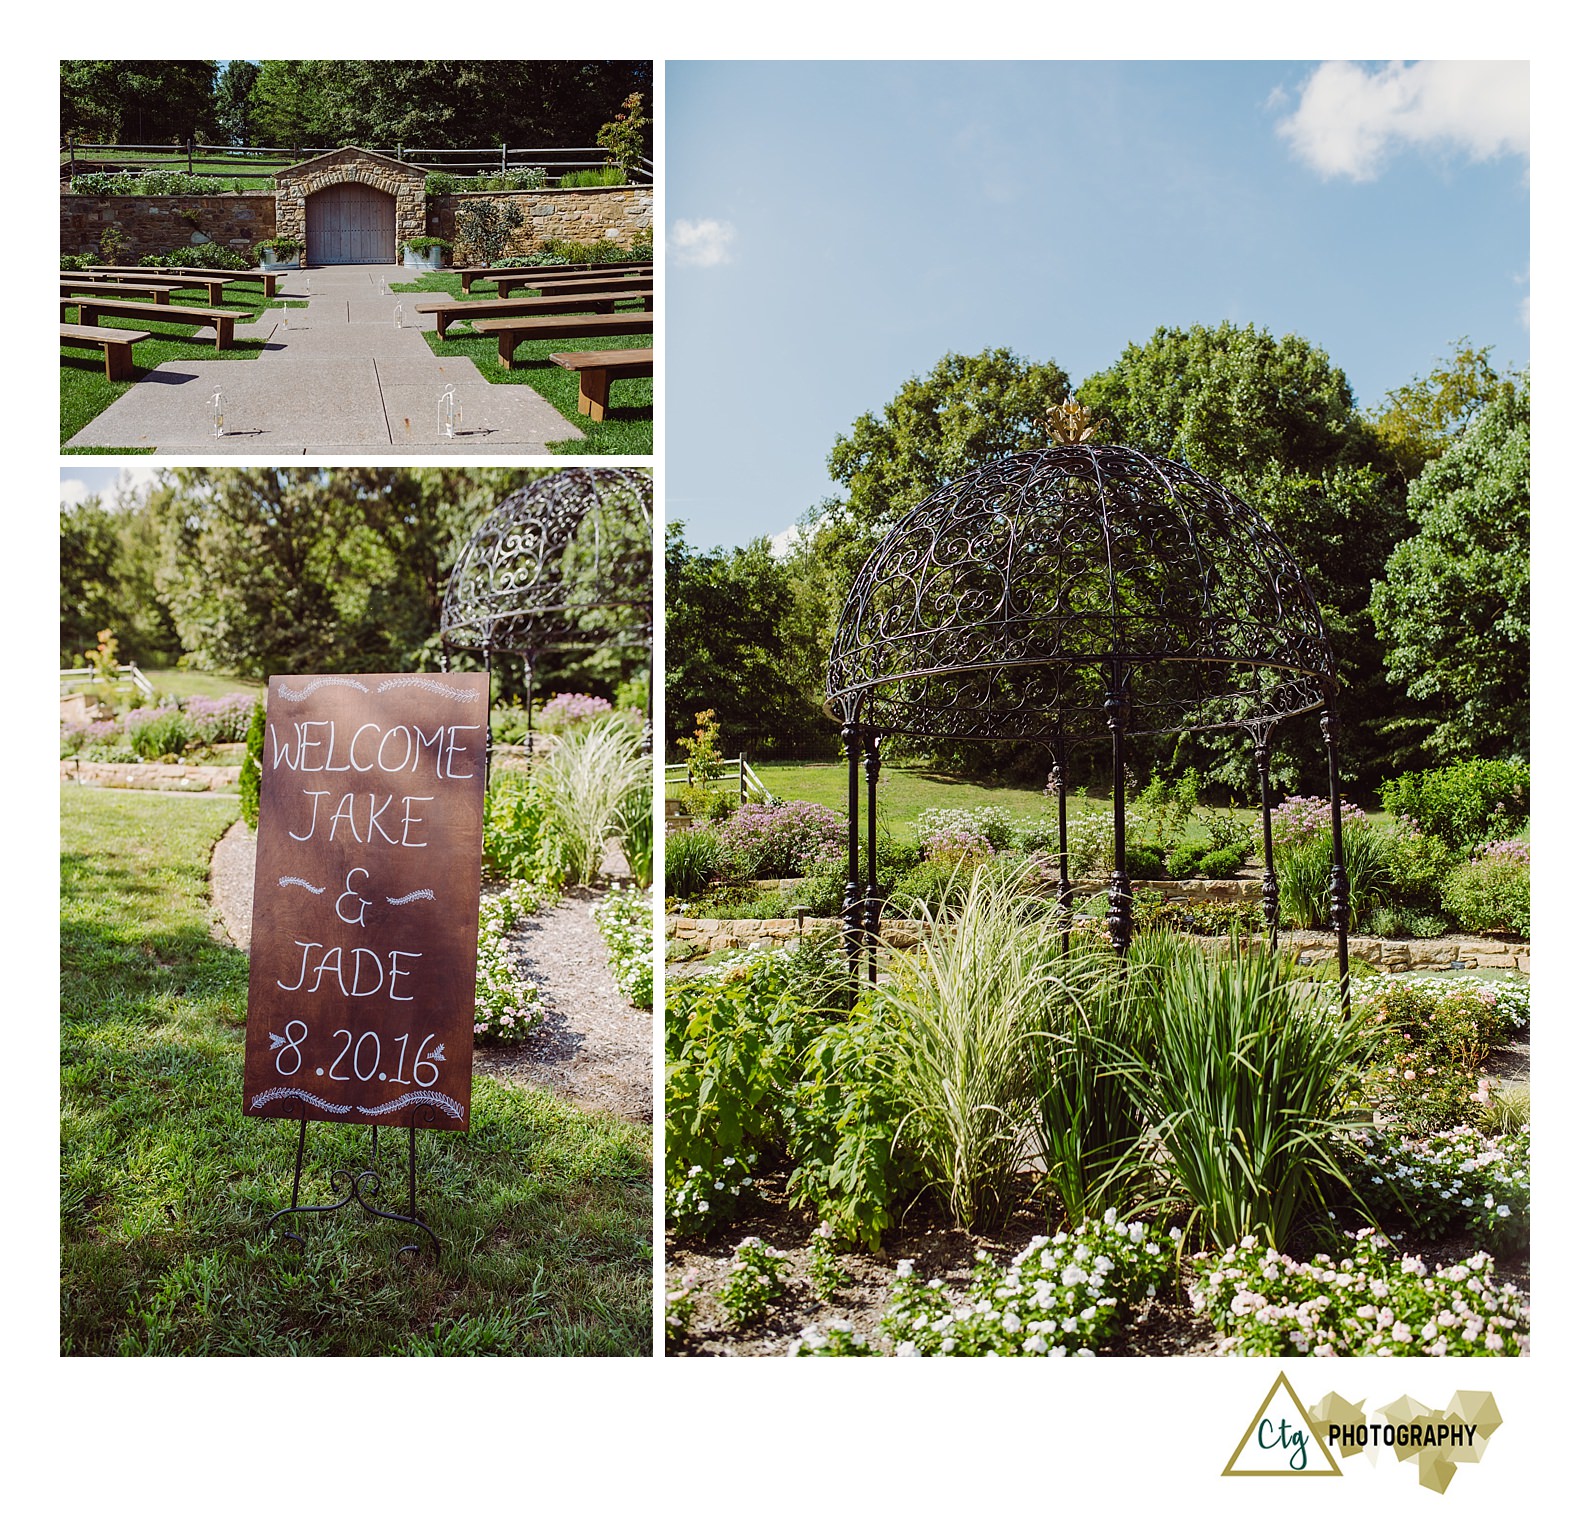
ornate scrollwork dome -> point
(1000, 605)
(551, 556)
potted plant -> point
(425, 252)
(278, 253)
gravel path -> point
(594, 1048)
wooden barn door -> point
(351, 223)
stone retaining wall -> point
(156, 776)
(1395, 956)
(617, 213)
(159, 223)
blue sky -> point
(834, 228)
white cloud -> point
(77, 486)
(702, 243)
(782, 544)
(1351, 117)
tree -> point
(288, 103)
(108, 563)
(143, 100)
(1420, 420)
(234, 109)
(1453, 608)
(1273, 420)
(968, 411)
(731, 616)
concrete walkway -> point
(338, 376)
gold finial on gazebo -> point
(1070, 422)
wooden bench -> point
(159, 293)
(509, 280)
(511, 331)
(207, 275)
(447, 312)
(212, 282)
(467, 276)
(598, 370)
(91, 307)
(116, 341)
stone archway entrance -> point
(351, 223)
(350, 206)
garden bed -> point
(1167, 1325)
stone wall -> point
(160, 223)
(704, 935)
(152, 776)
(616, 213)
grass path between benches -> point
(628, 427)
(85, 391)
(544, 1210)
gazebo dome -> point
(568, 545)
(1007, 604)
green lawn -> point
(544, 1211)
(628, 427)
(184, 684)
(85, 391)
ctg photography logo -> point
(1285, 1439)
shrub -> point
(635, 834)
(844, 1116)
(754, 1282)
(930, 886)
(1249, 1084)
(1419, 863)
(1465, 803)
(1144, 862)
(584, 179)
(706, 1199)
(1489, 894)
(484, 227)
(565, 710)
(206, 255)
(993, 826)
(690, 861)
(155, 731)
(249, 778)
(1168, 806)
(1303, 873)
(507, 1004)
(1228, 830)
(1090, 841)
(1223, 863)
(509, 724)
(1184, 863)
(515, 843)
(221, 719)
(782, 839)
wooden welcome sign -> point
(361, 986)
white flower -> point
(905, 1269)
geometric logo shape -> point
(1282, 1439)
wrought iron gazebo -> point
(1066, 594)
(548, 569)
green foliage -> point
(1251, 1080)
(690, 861)
(967, 411)
(635, 834)
(744, 638)
(962, 1013)
(206, 255)
(148, 182)
(623, 139)
(137, 100)
(703, 756)
(1167, 807)
(483, 228)
(249, 776)
(1302, 871)
(1453, 607)
(733, 1048)
(1223, 863)
(166, 731)
(1090, 1124)
(1419, 863)
(845, 1116)
(754, 1282)
(1463, 804)
(426, 244)
(584, 179)
(584, 783)
(281, 247)
(516, 843)
(1420, 420)
(1489, 895)
(623, 917)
